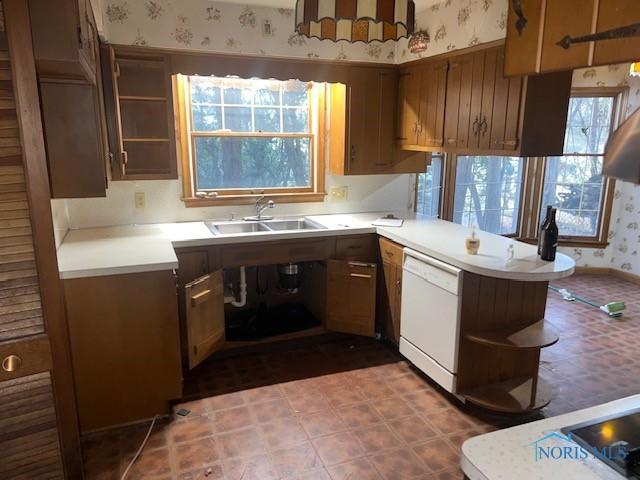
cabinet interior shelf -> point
(140, 98)
(516, 395)
(536, 335)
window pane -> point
(237, 96)
(272, 162)
(266, 93)
(428, 188)
(295, 120)
(206, 118)
(237, 119)
(487, 193)
(588, 124)
(574, 186)
(294, 94)
(267, 119)
(204, 90)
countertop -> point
(142, 248)
(508, 454)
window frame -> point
(533, 182)
(443, 158)
(601, 238)
(186, 138)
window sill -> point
(573, 243)
(223, 200)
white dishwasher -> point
(430, 316)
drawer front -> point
(266, 254)
(360, 247)
(391, 252)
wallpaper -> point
(457, 24)
(225, 28)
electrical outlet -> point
(338, 194)
(139, 199)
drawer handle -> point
(199, 297)
(11, 363)
(360, 275)
(389, 253)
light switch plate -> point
(139, 199)
(339, 194)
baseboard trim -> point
(630, 277)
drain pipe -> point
(243, 291)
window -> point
(573, 183)
(248, 137)
(487, 193)
(429, 187)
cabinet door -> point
(478, 98)
(351, 297)
(458, 102)
(390, 301)
(433, 86)
(73, 136)
(613, 14)
(204, 309)
(562, 18)
(503, 126)
(522, 39)
(408, 106)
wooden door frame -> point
(18, 29)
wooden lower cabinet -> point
(390, 289)
(124, 345)
(351, 297)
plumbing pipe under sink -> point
(243, 291)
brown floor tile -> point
(231, 419)
(425, 401)
(271, 410)
(294, 461)
(322, 423)
(437, 455)
(449, 421)
(284, 432)
(302, 404)
(412, 429)
(344, 396)
(338, 447)
(359, 415)
(392, 407)
(407, 383)
(224, 400)
(196, 454)
(241, 443)
(211, 472)
(315, 474)
(359, 469)
(253, 468)
(151, 463)
(400, 464)
(262, 394)
(376, 438)
(185, 430)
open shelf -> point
(537, 335)
(511, 396)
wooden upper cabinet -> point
(64, 44)
(139, 106)
(204, 308)
(460, 80)
(421, 106)
(71, 96)
(351, 297)
(362, 126)
(533, 46)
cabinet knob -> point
(484, 125)
(353, 152)
(451, 141)
(476, 127)
(11, 363)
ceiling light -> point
(419, 41)
(355, 20)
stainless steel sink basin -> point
(297, 224)
(231, 228)
(265, 226)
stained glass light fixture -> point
(355, 20)
(634, 70)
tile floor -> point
(351, 408)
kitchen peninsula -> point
(498, 322)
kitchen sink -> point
(230, 228)
(266, 226)
(298, 224)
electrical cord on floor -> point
(144, 442)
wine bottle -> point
(550, 239)
(542, 226)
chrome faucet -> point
(261, 207)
